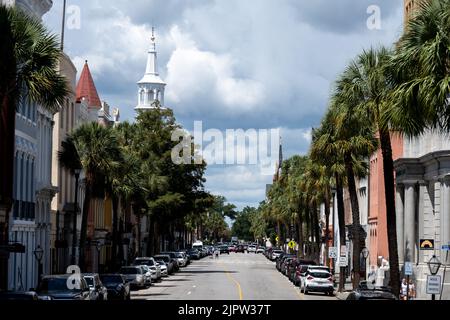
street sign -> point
(277, 239)
(433, 284)
(332, 253)
(343, 261)
(426, 244)
(446, 247)
(408, 269)
(292, 244)
(343, 251)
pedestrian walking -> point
(404, 290)
(412, 290)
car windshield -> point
(111, 279)
(162, 263)
(147, 262)
(164, 258)
(320, 275)
(55, 284)
(129, 271)
(90, 281)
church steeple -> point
(151, 86)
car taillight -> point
(310, 278)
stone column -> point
(423, 185)
(445, 212)
(409, 235)
(400, 213)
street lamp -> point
(39, 254)
(434, 265)
(75, 213)
(365, 255)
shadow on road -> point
(208, 271)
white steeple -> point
(151, 86)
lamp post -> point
(38, 254)
(434, 265)
(333, 194)
(365, 255)
(75, 213)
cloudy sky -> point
(233, 64)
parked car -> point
(318, 281)
(300, 271)
(155, 269)
(56, 287)
(168, 260)
(194, 254)
(275, 254)
(182, 259)
(251, 249)
(261, 249)
(285, 265)
(98, 291)
(147, 275)
(19, 296)
(366, 291)
(173, 257)
(117, 286)
(134, 275)
(163, 267)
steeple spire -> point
(152, 59)
(151, 86)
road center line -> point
(238, 285)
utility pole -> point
(63, 25)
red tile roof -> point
(86, 88)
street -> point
(231, 277)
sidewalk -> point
(347, 289)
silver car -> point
(134, 275)
(163, 266)
(154, 267)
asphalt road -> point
(231, 277)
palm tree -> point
(97, 149)
(326, 146)
(357, 142)
(28, 60)
(367, 86)
(420, 72)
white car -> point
(251, 249)
(318, 280)
(275, 254)
(182, 259)
(148, 274)
(261, 250)
(151, 264)
(163, 267)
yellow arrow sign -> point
(277, 239)
(292, 244)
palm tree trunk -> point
(356, 220)
(327, 224)
(84, 222)
(151, 236)
(139, 233)
(115, 207)
(316, 232)
(388, 170)
(300, 236)
(341, 222)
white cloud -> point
(192, 73)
